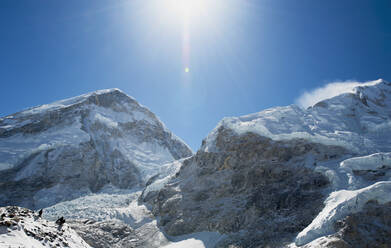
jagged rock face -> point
(370, 227)
(104, 234)
(261, 178)
(117, 234)
(58, 151)
(259, 191)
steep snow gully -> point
(283, 177)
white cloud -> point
(309, 98)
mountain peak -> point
(359, 116)
(104, 97)
(96, 139)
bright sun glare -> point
(187, 8)
(194, 18)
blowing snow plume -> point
(309, 98)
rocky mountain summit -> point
(59, 151)
(288, 174)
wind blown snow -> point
(309, 98)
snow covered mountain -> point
(287, 176)
(283, 177)
(77, 146)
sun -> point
(187, 8)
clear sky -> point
(190, 63)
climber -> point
(60, 221)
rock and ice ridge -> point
(359, 121)
(59, 151)
(340, 204)
(242, 178)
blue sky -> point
(243, 55)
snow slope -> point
(76, 146)
(122, 109)
(22, 228)
(340, 204)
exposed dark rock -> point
(370, 227)
(103, 234)
(249, 189)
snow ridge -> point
(359, 121)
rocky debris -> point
(117, 234)
(103, 234)
(22, 227)
(259, 191)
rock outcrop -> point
(256, 189)
(111, 233)
(370, 227)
